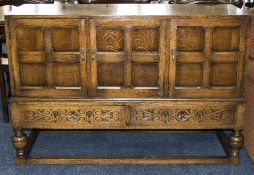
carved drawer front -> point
(183, 116)
(72, 116)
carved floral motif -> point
(183, 115)
(139, 115)
(152, 115)
(79, 115)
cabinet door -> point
(47, 57)
(127, 58)
(206, 57)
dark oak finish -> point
(110, 70)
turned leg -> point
(19, 141)
(235, 143)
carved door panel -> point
(127, 58)
(206, 58)
(48, 56)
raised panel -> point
(49, 57)
(109, 39)
(223, 74)
(207, 58)
(109, 74)
(65, 39)
(190, 38)
(127, 58)
(32, 74)
(30, 39)
(67, 75)
(188, 74)
(226, 39)
(145, 74)
(145, 39)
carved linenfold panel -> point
(109, 39)
(179, 115)
(86, 116)
(145, 39)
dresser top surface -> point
(119, 10)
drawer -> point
(183, 116)
(71, 116)
(127, 115)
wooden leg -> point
(19, 141)
(235, 143)
(224, 141)
(3, 96)
(31, 140)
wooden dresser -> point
(128, 67)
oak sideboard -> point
(128, 67)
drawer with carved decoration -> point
(183, 116)
(71, 116)
(128, 115)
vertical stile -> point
(128, 51)
(49, 57)
(208, 54)
(240, 66)
(92, 59)
(11, 36)
(172, 66)
(82, 45)
(162, 63)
